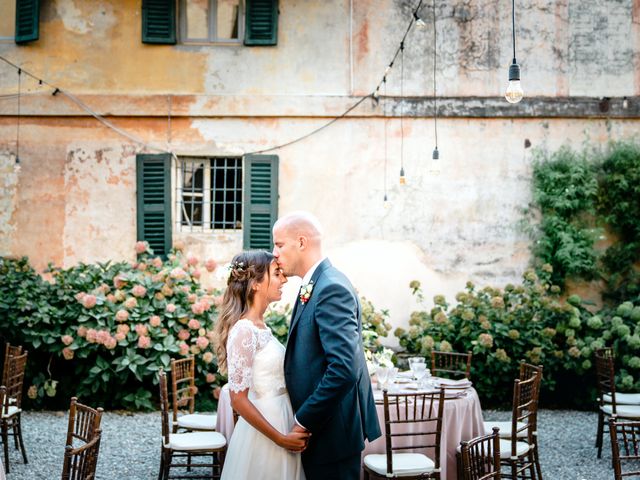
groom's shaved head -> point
(302, 224)
(297, 242)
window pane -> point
(197, 17)
(227, 19)
(192, 193)
(226, 193)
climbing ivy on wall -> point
(580, 197)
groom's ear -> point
(302, 242)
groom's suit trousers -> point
(346, 469)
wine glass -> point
(414, 363)
(393, 373)
(382, 373)
(419, 371)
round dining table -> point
(462, 420)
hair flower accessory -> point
(305, 292)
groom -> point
(325, 368)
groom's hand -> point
(297, 429)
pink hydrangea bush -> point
(122, 322)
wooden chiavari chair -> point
(451, 364)
(625, 447)
(422, 414)
(83, 442)
(183, 396)
(188, 445)
(608, 403)
(481, 457)
(11, 404)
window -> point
(210, 21)
(209, 193)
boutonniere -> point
(305, 292)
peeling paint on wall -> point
(9, 176)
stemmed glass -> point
(419, 372)
(417, 364)
(382, 373)
(393, 373)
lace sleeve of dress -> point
(241, 348)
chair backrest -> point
(183, 386)
(421, 414)
(9, 351)
(528, 370)
(625, 447)
(80, 463)
(164, 405)
(524, 411)
(15, 377)
(481, 457)
(84, 422)
(605, 375)
(451, 364)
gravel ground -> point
(130, 446)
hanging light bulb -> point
(403, 180)
(514, 90)
(436, 154)
(385, 202)
(419, 22)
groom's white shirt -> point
(309, 274)
(305, 280)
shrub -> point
(501, 327)
(104, 330)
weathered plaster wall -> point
(72, 198)
(338, 47)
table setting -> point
(462, 413)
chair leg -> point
(5, 443)
(537, 460)
(18, 426)
(600, 434)
(161, 470)
(15, 435)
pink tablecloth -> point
(224, 423)
(462, 421)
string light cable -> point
(436, 153)
(133, 138)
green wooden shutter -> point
(154, 201)
(261, 22)
(260, 200)
(27, 20)
(159, 21)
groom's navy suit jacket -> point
(326, 372)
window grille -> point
(209, 193)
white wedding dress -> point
(255, 360)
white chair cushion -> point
(11, 411)
(505, 448)
(198, 421)
(404, 464)
(625, 411)
(505, 429)
(196, 441)
(623, 398)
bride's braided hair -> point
(247, 269)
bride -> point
(261, 446)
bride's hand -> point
(294, 441)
